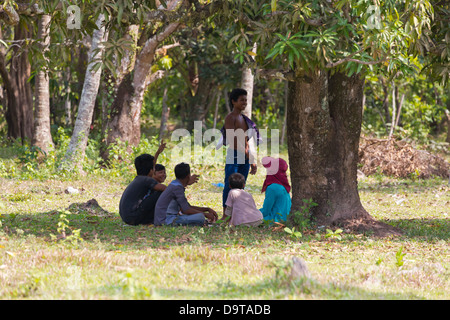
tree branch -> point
(345, 10)
(164, 49)
(276, 74)
(11, 16)
(276, 13)
(349, 58)
(169, 15)
(155, 76)
(314, 22)
(367, 63)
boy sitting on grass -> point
(159, 173)
(173, 200)
(137, 204)
(240, 205)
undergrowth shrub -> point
(20, 160)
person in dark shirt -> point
(172, 207)
(137, 204)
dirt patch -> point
(90, 207)
(399, 159)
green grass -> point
(110, 260)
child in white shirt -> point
(240, 204)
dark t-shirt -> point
(132, 197)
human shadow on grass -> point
(89, 217)
(97, 223)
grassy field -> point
(102, 258)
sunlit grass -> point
(111, 260)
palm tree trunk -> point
(42, 137)
(78, 142)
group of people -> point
(147, 200)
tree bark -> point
(67, 103)
(42, 137)
(387, 117)
(78, 142)
(124, 123)
(448, 129)
(447, 113)
(391, 130)
(200, 102)
(19, 111)
(227, 100)
(324, 121)
(127, 62)
(283, 130)
(399, 112)
(247, 84)
(164, 115)
(216, 111)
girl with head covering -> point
(277, 201)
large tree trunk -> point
(324, 126)
(387, 117)
(200, 94)
(126, 64)
(283, 130)
(78, 142)
(248, 84)
(19, 111)
(216, 111)
(42, 137)
(124, 123)
(67, 103)
(200, 102)
(164, 114)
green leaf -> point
(119, 15)
(287, 230)
(281, 36)
(291, 59)
(272, 54)
(299, 42)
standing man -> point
(238, 132)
